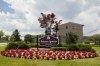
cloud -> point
(23, 14)
(23, 18)
(91, 19)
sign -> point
(48, 41)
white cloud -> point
(23, 19)
(26, 13)
(91, 19)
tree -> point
(28, 38)
(1, 34)
(95, 38)
(12, 38)
(71, 38)
(15, 36)
(49, 22)
(5, 38)
(87, 39)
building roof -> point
(72, 23)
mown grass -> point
(5, 61)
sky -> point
(23, 14)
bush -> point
(74, 47)
(59, 48)
(64, 45)
(85, 47)
(80, 47)
(17, 45)
(23, 46)
(58, 45)
(32, 45)
(12, 45)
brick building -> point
(71, 27)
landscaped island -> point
(11, 61)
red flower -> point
(47, 54)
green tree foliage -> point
(15, 36)
(17, 45)
(95, 39)
(1, 34)
(86, 39)
(71, 38)
(5, 38)
(28, 38)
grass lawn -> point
(5, 61)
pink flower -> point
(47, 54)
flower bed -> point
(47, 54)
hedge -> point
(75, 47)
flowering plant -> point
(47, 54)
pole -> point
(37, 42)
(59, 40)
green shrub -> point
(84, 47)
(12, 45)
(32, 45)
(64, 44)
(23, 46)
(74, 47)
(59, 48)
(59, 45)
(17, 45)
(79, 47)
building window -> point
(66, 27)
(73, 27)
